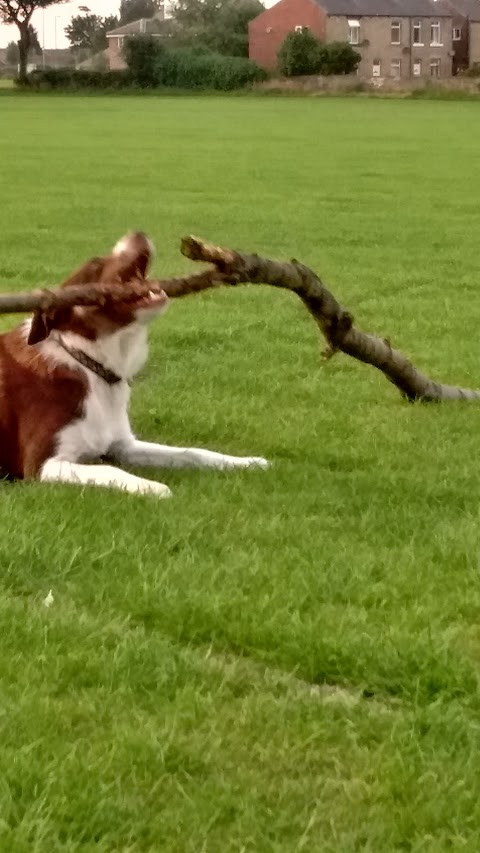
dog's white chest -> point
(104, 422)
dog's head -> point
(129, 261)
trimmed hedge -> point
(69, 79)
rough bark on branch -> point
(335, 322)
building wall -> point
(474, 46)
(375, 45)
(115, 57)
(268, 31)
(460, 46)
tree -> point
(19, 12)
(220, 25)
(89, 32)
(12, 53)
(133, 10)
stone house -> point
(466, 31)
(395, 38)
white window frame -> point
(377, 69)
(121, 40)
(396, 25)
(299, 28)
(397, 64)
(417, 25)
(435, 63)
(435, 25)
(417, 68)
(457, 34)
(353, 32)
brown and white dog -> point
(64, 388)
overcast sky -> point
(57, 17)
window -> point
(354, 32)
(299, 28)
(143, 25)
(120, 42)
(434, 68)
(417, 32)
(435, 33)
(395, 32)
(457, 33)
(417, 68)
(376, 69)
(395, 68)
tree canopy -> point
(133, 10)
(220, 25)
(89, 32)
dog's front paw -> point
(257, 462)
(151, 487)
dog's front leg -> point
(60, 471)
(145, 454)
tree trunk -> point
(23, 48)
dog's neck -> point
(125, 352)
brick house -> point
(395, 38)
(157, 27)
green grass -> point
(280, 661)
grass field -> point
(279, 661)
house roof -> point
(466, 8)
(388, 8)
(145, 26)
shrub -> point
(72, 80)
(151, 65)
(302, 54)
(339, 57)
(188, 68)
(141, 56)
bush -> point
(302, 54)
(152, 65)
(141, 56)
(188, 68)
(339, 57)
(72, 80)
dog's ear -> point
(43, 322)
(40, 328)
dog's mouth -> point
(152, 300)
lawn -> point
(271, 661)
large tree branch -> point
(104, 294)
(333, 320)
(231, 267)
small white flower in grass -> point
(48, 601)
